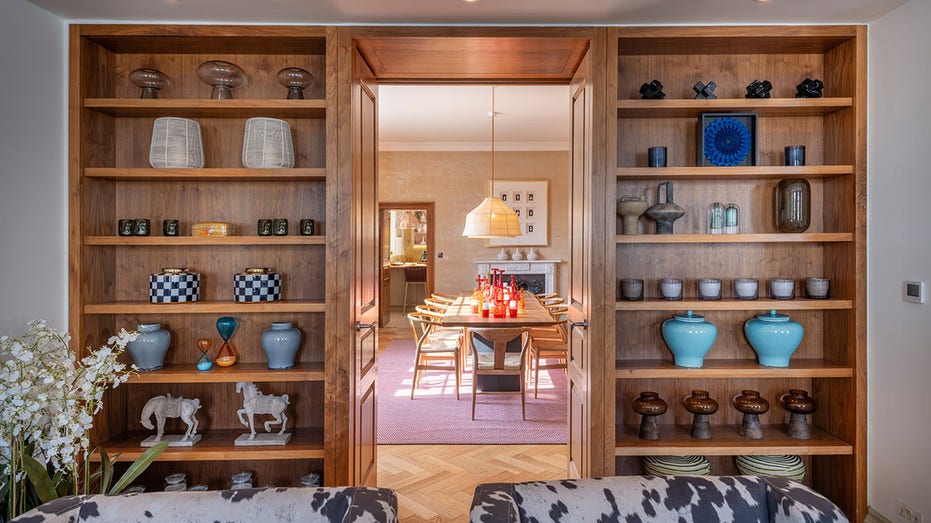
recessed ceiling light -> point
(470, 1)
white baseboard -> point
(875, 517)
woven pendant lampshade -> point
(492, 218)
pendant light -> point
(492, 218)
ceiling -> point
(494, 12)
(452, 117)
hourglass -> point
(204, 362)
(227, 355)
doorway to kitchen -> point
(406, 239)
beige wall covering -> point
(457, 182)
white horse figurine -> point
(169, 407)
(254, 402)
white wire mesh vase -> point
(176, 143)
(267, 144)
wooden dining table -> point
(460, 314)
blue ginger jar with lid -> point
(148, 350)
(689, 337)
(281, 343)
(774, 337)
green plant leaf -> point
(40, 479)
(63, 486)
(138, 467)
(106, 470)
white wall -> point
(899, 248)
(33, 175)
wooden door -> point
(588, 425)
(384, 295)
(366, 274)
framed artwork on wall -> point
(726, 139)
(529, 200)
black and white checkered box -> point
(257, 287)
(174, 287)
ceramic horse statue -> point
(168, 407)
(254, 402)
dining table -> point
(459, 314)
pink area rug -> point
(435, 416)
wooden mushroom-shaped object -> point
(702, 405)
(798, 404)
(650, 405)
(752, 405)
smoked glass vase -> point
(793, 205)
(296, 80)
(223, 76)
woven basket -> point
(267, 144)
(176, 143)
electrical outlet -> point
(440, 255)
(907, 514)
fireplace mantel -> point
(546, 268)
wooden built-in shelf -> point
(217, 445)
(238, 372)
(204, 174)
(797, 304)
(204, 307)
(808, 237)
(728, 369)
(676, 441)
(207, 108)
(732, 173)
(668, 108)
(138, 241)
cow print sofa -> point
(260, 505)
(640, 499)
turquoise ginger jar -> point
(689, 338)
(281, 343)
(774, 337)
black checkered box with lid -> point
(174, 285)
(257, 285)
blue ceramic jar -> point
(148, 350)
(280, 344)
(689, 338)
(774, 337)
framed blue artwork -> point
(727, 139)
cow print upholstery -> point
(260, 505)
(641, 499)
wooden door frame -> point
(602, 320)
(430, 207)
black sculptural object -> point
(810, 89)
(758, 89)
(705, 91)
(652, 91)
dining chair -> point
(498, 361)
(448, 299)
(432, 349)
(436, 303)
(416, 276)
(550, 344)
(545, 295)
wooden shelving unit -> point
(831, 361)
(110, 178)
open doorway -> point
(407, 241)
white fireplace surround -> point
(545, 267)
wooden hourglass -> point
(227, 355)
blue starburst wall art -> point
(727, 139)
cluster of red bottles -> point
(495, 298)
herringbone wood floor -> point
(434, 483)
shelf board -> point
(204, 174)
(676, 441)
(207, 108)
(238, 372)
(690, 108)
(217, 445)
(204, 307)
(809, 237)
(732, 173)
(729, 369)
(797, 304)
(138, 241)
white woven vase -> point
(176, 143)
(267, 144)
